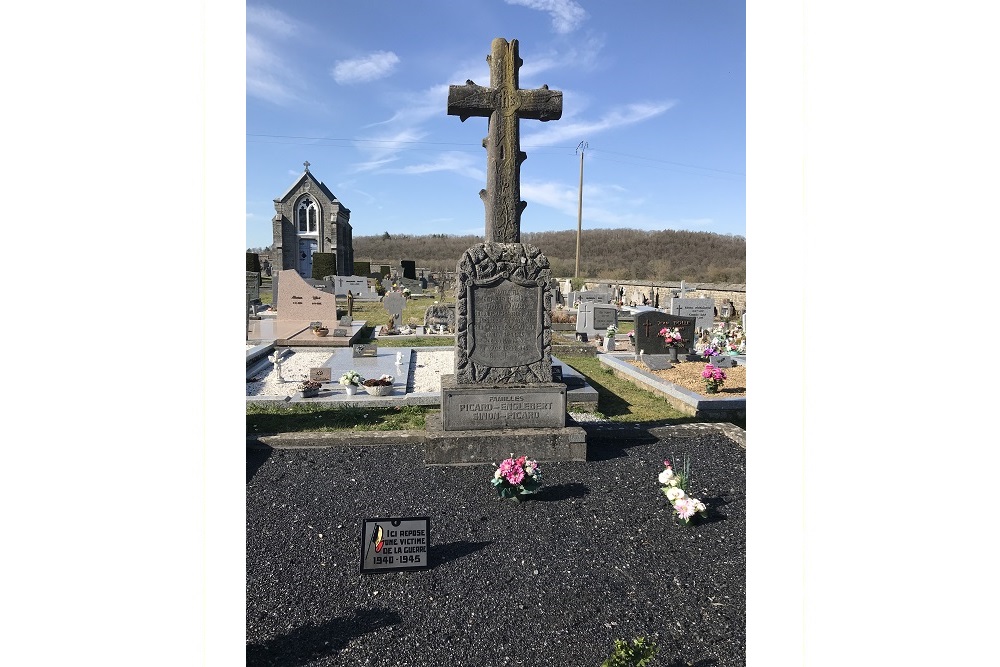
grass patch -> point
(298, 418)
(413, 341)
(413, 311)
(620, 400)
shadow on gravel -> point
(560, 492)
(707, 662)
(713, 504)
(442, 553)
(310, 642)
(255, 459)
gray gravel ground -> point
(596, 556)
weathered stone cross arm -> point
(474, 100)
(504, 103)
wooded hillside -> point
(615, 254)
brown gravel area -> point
(687, 374)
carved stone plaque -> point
(502, 315)
(505, 327)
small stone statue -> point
(350, 303)
(276, 360)
(399, 358)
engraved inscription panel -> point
(505, 327)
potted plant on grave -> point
(310, 388)
(319, 330)
(674, 485)
(516, 478)
(406, 292)
(673, 340)
(609, 340)
(381, 386)
(713, 377)
(351, 381)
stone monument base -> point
(473, 407)
(485, 423)
(491, 447)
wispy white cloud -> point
(459, 163)
(576, 130)
(377, 65)
(566, 15)
(270, 21)
(268, 76)
(381, 150)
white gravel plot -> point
(294, 368)
(428, 367)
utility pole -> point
(581, 149)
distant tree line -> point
(614, 254)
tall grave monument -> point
(503, 343)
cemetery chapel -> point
(308, 219)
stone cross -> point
(306, 165)
(504, 103)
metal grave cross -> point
(504, 103)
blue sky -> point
(359, 89)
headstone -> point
(726, 309)
(439, 315)
(423, 283)
(409, 269)
(647, 329)
(503, 356)
(594, 296)
(357, 285)
(393, 302)
(595, 318)
(702, 310)
(300, 302)
(503, 298)
(340, 332)
(253, 286)
(346, 321)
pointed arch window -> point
(307, 217)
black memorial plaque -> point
(393, 544)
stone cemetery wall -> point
(719, 292)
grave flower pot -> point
(351, 389)
(321, 331)
(672, 353)
(381, 390)
(310, 393)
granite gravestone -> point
(702, 310)
(253, 286)
(594, 319)
(409, 269)
(439, 314)
(393, 302)
(503, 359)
(298, 301)
(647, 331)
(594, 296)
